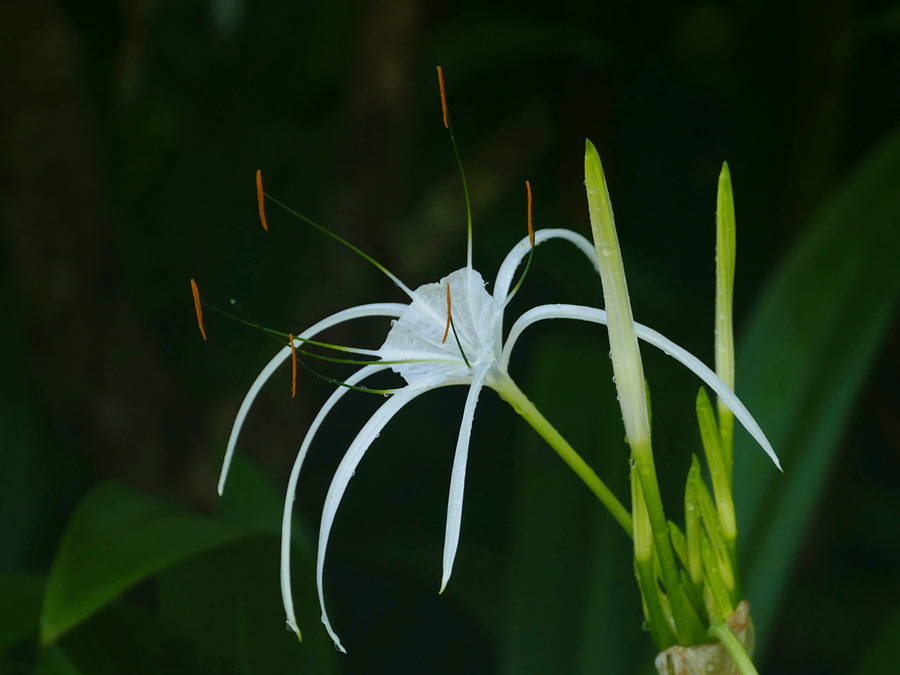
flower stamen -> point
(462, 174)
(197, 307)
(449, 315)
(261, 199)
(530, 250)
(530, 226)
(443, 96)
(293, 366)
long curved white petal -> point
(656, 339)
(458, 476)
(345, 472)
(388, 309)
(286, 595)
(515, 257)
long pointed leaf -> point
(804, 358)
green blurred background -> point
(130, 132)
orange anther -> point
(443, 105)
(197, 307)
(530, 228)
(447, 329)
(261, 197)
(293, 367)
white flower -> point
(420, 350)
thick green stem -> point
(510, 392)
(688, 628)
(644, 567)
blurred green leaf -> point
(227, 604)
(53, 661)
(20, 611)
(884, 655)
(115, 538)
(124, 637)
(804, 358)
(252, 499)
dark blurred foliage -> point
(130, 133)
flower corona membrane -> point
(449, 333)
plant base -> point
(709, 659)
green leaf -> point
(226, 604)
(20, 610)
(124, 637)
(115, 538)
(53, 661)
(884, 655)
(805, 356)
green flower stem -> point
(510, 392)
(718, 470)
(721, 607)
(687, 622)
(629, 377)
(738, 653)
(694, 562)
(645, 569)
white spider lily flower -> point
(419, 349)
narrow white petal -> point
(515, 257)
(458, 476)
(286, 595)
(388, 309)
(345, 472)
(656, 339)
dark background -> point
(130, 133)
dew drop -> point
(690, 507)
(323, 619)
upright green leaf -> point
(806, 352)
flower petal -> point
(389, 309)
(345, 472)
(656, 339)
(286, 595)
(515, 257)
(458, 475)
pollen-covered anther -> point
(293, 366)
(197, 307)
(261, 199)
(449, 316)
(530, 226)
(443, 97)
